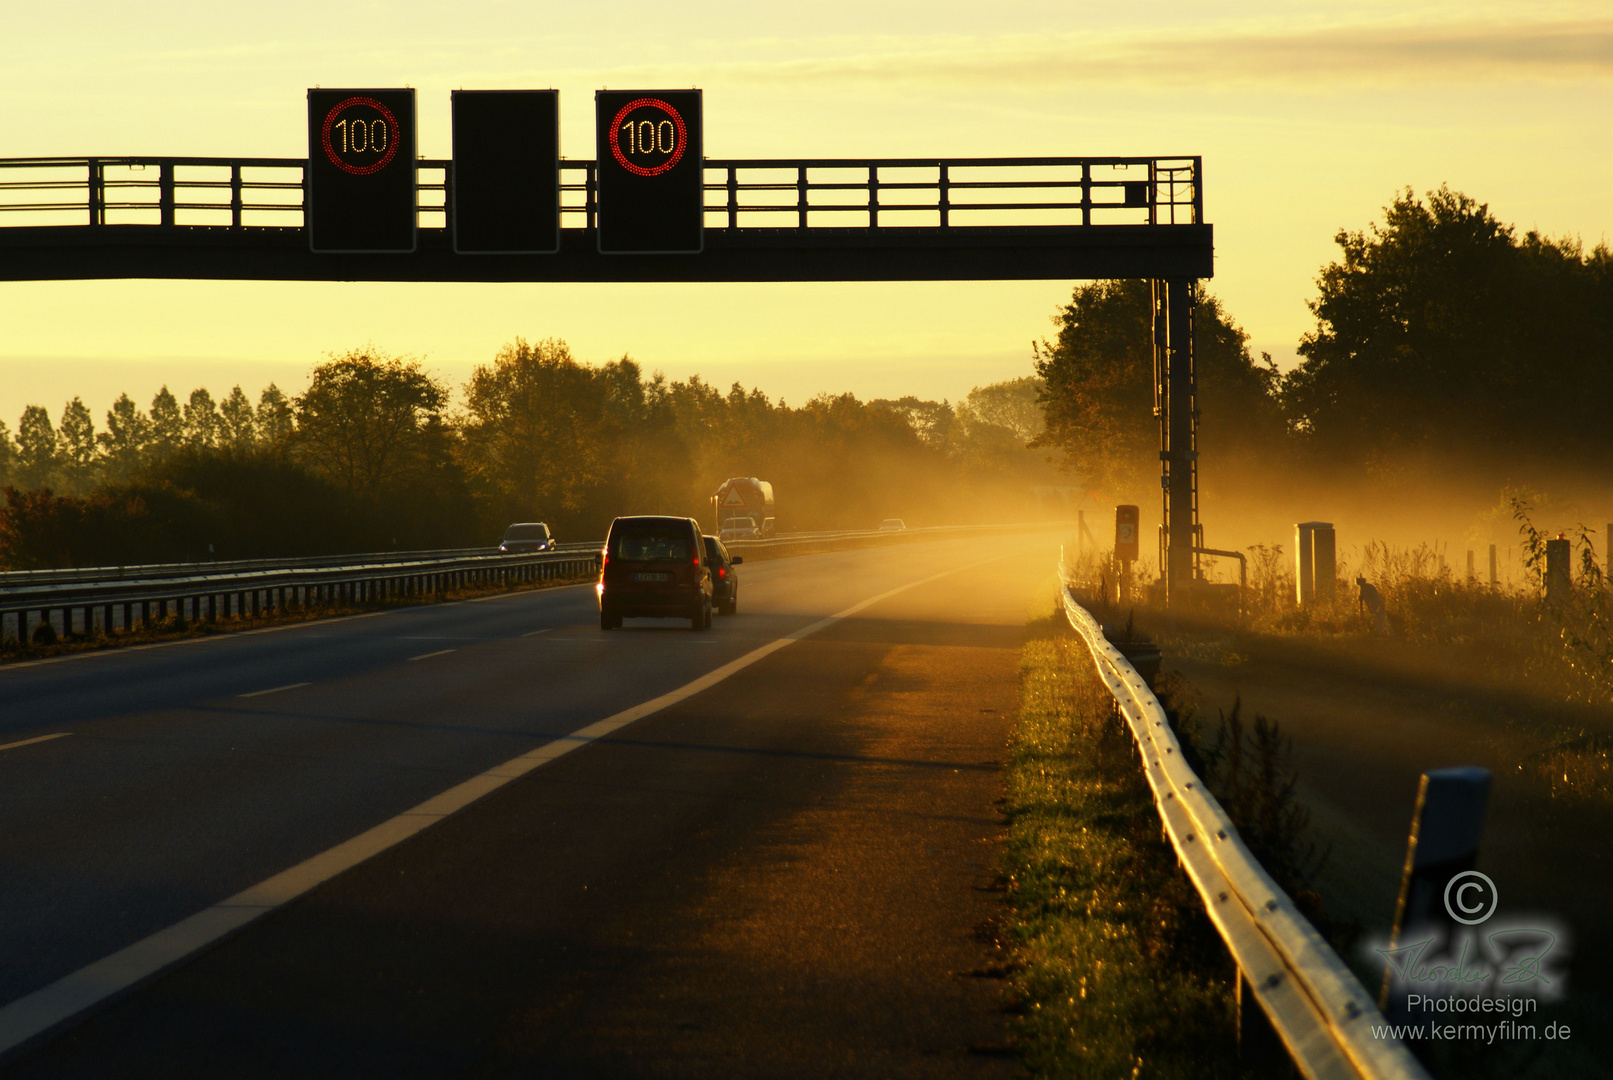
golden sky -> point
(1309, 116)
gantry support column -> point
(1176, 391)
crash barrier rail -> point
(17, 579)
(1318, 1008)
(85, 607)
(85, 600)
(799, 193)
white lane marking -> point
(36, 738)
(535, 633)
(35, 1014)
(429, 655)
(274, 689)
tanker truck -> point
(743, 507)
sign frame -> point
(616, 178)
(402, 143)
(455, 185)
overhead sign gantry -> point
(650, 207)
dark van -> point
(654, 567)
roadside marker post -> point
(1445, 829)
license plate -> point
(652, 577)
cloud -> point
(1451, 52)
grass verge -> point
(1118, 971)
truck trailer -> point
(743, 508)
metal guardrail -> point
(1314, 1002)
(122, 603)
(797, 193)
(19, 579)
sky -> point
(1310, 117)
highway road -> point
(777, 790)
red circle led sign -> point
(648, 137)
(360, 136)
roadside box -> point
(1126, 547)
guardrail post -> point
(1259, 1045)
(944, 196)
(873, 196)
(801, 199)
(1445, 828)
(235, 196)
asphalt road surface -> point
(782, 873)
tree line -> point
(375, 454)
(1445, 344)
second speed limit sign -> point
(651, 172)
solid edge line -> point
(274, 689)
(36, 738)
(35, 1015)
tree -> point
(370, 420)
(167, 425)
(276, 421)
(36, 449)
(76, 447)
(1098, 393)
(238, 428)
(932, 421)
(202, 421)
(532, 407)
(125, 441)
(1439, 328)
(7, 453)
(1013, 406)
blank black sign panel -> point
(361, 171)
(651, 171)
(506, 179)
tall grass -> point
(1510, 630)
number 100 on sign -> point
(651, 171)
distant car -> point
(725, 586)
(740, 528)
(893, 525)
(526, 536)
(655, 567)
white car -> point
(893, 525)
(739, 528)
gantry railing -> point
(740, 193)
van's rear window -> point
(650, 542)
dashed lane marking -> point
(429, 655)
(36, 738)
(275, 689)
